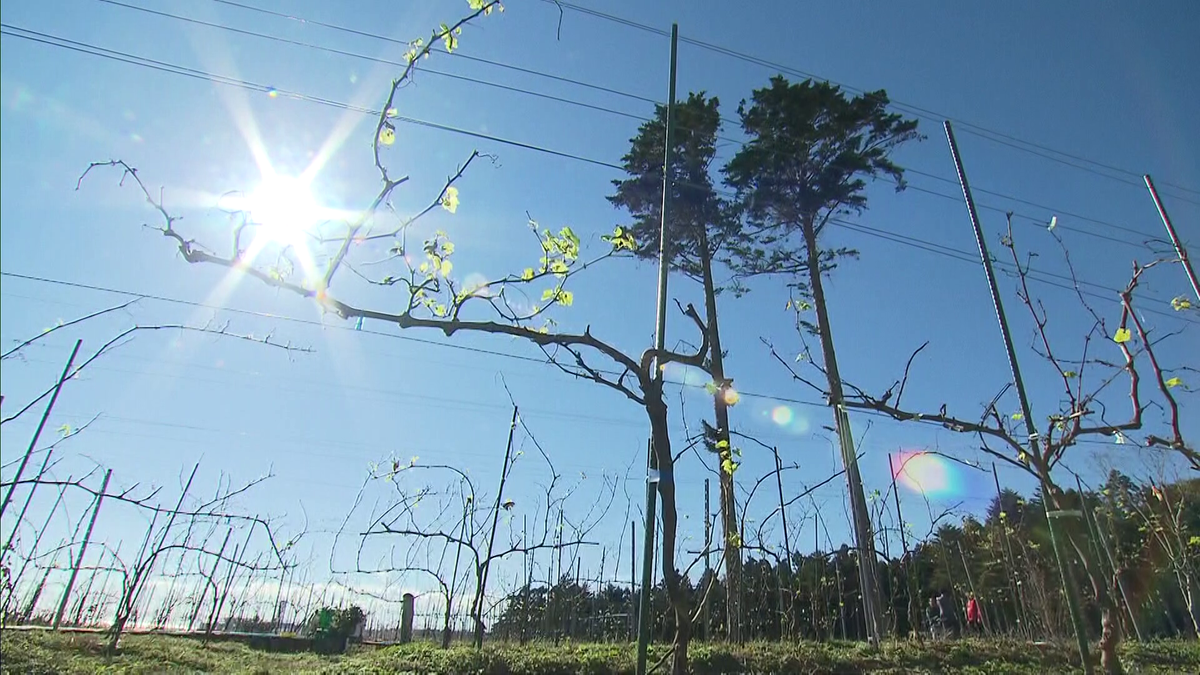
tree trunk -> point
(656, 409)
(732, 541)
(864, 540)
(1109, 639)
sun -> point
(284, 209)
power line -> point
(1033, 204)
(311, 322)
(373, 59)
(518, 357)
(573, 102)
(978, 130)
(123, 57)
(456, 54)
(971, 258)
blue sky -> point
(1112, 85)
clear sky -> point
(1114, 84)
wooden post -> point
(406, 618)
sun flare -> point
(284, 209)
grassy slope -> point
(38, 653)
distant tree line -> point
(1146, 536)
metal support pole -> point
(38, 433)
(912, 605)
(660, 330)
(784, 613)
(1064, 569)
(1179, 249)
(708, 571)
(487, 563)
(62, 605)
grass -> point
(38, 652)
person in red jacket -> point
(974, 617)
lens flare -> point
(782, 415)
(925, 473)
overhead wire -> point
(125, 57)
(86, 48)
(976, 129)
(534, 413)
(598, 108)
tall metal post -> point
(914, 617)
(1179, 249)
(784, 613)
(62, 605)
(633, 579)
(487, 563)
(660, 330)
(1064, 569)
(707, 559)
(38, 432)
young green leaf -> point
(387, 135)
(1173, 382)
(1122, 336)
(527, 274)
(450, 199)
(449, 38)
(1181, 303)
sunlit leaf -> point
(450, 199)
(387, 135)
(722, 445)
(446, 267)
(1122, 336)
(1181, 303)
(548, 294)
(1173, 382)
(1070, 373)
(568, 233)
(449, 38)
(1053, 223)
(711, 388)
(65, 430)
(1018, 416)
(392, 112)
(527, 274)
(566, 298)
